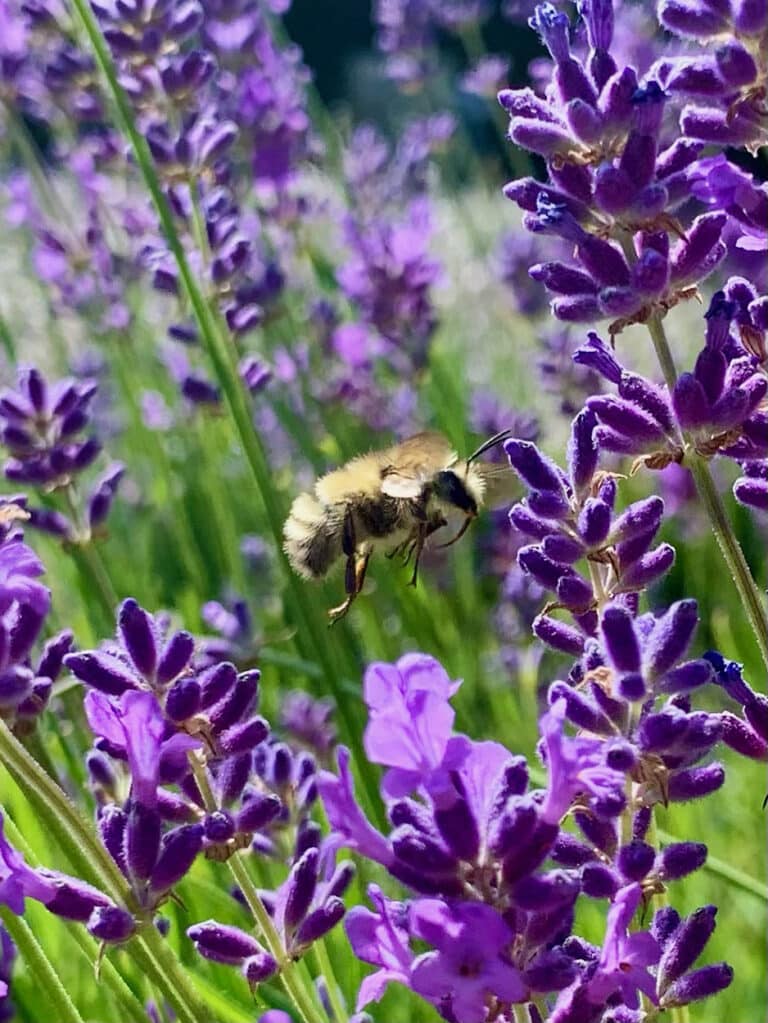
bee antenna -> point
(491, 443)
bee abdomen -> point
(312, 537)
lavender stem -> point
(40, 967)
(302, 1003)
(715, 509)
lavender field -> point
(504, 266)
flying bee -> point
(391, 500)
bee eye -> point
(449, 488)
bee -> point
(391, 500)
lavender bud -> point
(695, 783)
(532, 850)
(233, 777)
(458, 829)
(73, 898)
(579, 710)
(620, 639)
(665, 921)
(739, 736)
(679, 859)
(301, 889)
(257, 811)
(599, 881)
(543, 892)
(535, 469)
(258, 968)
(142, 840)
(631, 686)
(175, 657)
(243, 737)
(558, 635)
(102, 671)
(111, 924)
(648, 568)
(183, 699)
(702, 983)
(671, 636)
(319, 922)
(100, 770)
(177, 854)
(562, 549)
(238, 703)
(223, 944)
(219, 826)
(112, 823)
(635, 860)
(685, 945)
(686, 676)
(216, 682)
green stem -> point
(251, 895)
(79, 843)
(712, 502)
(88, 559)
(134, 1010)
(301, 1000)
(6, 339)
(324, 966)
(312, 636)
(663, 351)
(45, 977)
(93, 573)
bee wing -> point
(501, 483)
(409, 465)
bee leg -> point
(416, 548)
(354, 577)
(465, 526)
(348, 545)
(361, 567)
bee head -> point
(453, 490)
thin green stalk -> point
(325, 967)
(36, 961)
(88, 559)
(712, 502)
(134, 1010)
(301, 1000)
(312, 635)
(294, 989)
(79, 843)
(187, 545)
(93, 574)
(6, 339)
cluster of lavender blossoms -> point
(45, 428)
(493, 872)
(182, 765)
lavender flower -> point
(600, 189)
(729, 82)
(388, 280)
(42, 428)
(26, 680)
(62, 895)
